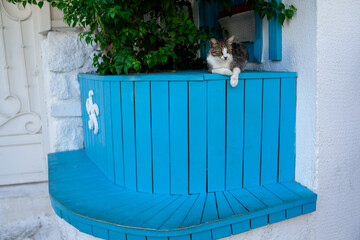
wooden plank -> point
(275, 38)
(201, 235)
(160, 136)
(308, 208)
(117, 132)
(270, 131)
(194, 215)
(221, 232)
(240, 227)
(157, 220)
(100, 232)
(265, 196)
(282, 192)
(197, 137)
(135, 237)
(216, 135)
(271, 201)
(178, 93)
(210, 213)
(249, 201)
(141, 208)
(235, 136)
(178, 217)
(298, 189)
(277, 217)
(184, 237)
(258, 222)
(223, 206)
(287, 130)
(236, 206)
(293, 212)
(252, 132)
(113, 235)
(127, 106)
(139, 220)
(107, 130)
(143, 137)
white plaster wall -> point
(320, 43)
(338, 120)
(64, 56)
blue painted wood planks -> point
(75, 185)
(190, 136)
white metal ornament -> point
(93, 111)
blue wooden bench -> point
(182, 156)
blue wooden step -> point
(83, 196)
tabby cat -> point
(227, 58)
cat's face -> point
(221, 49)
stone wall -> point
(64, 56)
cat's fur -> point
(227, 58)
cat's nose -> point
(225, 58)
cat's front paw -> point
(234, 81)
(227, 72)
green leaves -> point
(270, 9)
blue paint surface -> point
(182, 156)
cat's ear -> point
(213, 42)
(230, 39)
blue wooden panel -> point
(270, 131)
(178, 217)
(277, 217)
(275, 38)
(240, 227)
(210, 212)
(197, 137)
(143, 137)
(234, 136)
(134, 237)
(216, 135)
(160, 136)
(293, 212)
(117, 235)
(221, 232)
(179, 137)
(201, 235)
(185, 237)
(223, 207)
(252, 132)
(83, 227)
(117, 133)
(282, 192)
(108, 126)
(157, 220)
(249, 201)
(180, 76)
(308, 208)
(100, 232)
(127, 105)
(287, 130)
(259, 221)
(236, 206)
(126, 211)
(195, 214)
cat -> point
(227, 58)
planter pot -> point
(241, 25)
(177, 133)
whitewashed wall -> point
(64, 56)
(320, 43)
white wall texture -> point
(320, 43)
(64, 56)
